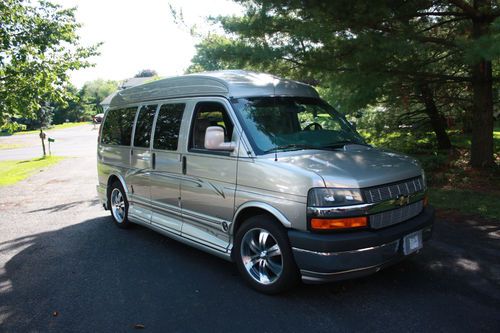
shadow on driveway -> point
(100, 278)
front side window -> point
(168, 125)
(288, 123)
(117, 127)
(142, 136)
(209, 114)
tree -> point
(430, 56)
(71, 110)
(146, 73)
(39, 46)
(93, 92)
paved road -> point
(75, 141)
(65, 267)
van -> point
(260, 171)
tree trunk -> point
(467, 121)
(42, 137)
(482, 87)
(437, 121)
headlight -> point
(424, 179)
(332, 197)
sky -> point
(141, 34)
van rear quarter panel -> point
(282, 186)
(112, 160)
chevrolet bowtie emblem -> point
(402, 200)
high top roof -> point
(229, 83)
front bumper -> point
(330, 257)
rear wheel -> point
(263, 255)
(118, 205)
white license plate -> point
(412, 242)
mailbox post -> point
(50, 140)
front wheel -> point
(263, 255)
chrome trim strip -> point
(137, 219)
(170, 209)
(183, 214)
(315, 276)
(203, 247)
(361, 209)
(396, 242)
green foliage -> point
(71, 109)
(92, 94)
(10, 127)
(51, 128)
(467, 202)
(39, 46)
(412, 58)
(146, 73)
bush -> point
(11, 127)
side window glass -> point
(168, 125)
(117, 127)
(209, 114)
(142, 137)
(109, 126)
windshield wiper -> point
(293, 146)
(297, 146)
(341, 144)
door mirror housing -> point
(214, 139)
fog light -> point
(335, 224)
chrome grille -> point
(392, 191)
(395, 216)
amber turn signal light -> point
(335, 224)
(426, 200)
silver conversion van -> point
(260, 171)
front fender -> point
(263, 206)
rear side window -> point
(142, 137)
(168, 125)
(117, 127)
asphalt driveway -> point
(65, 267)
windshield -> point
(291, 123)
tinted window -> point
(117, 127)
(168, 125)
(209, 114)
(144, 125)
(291, 123)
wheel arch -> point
(253, 208)
(111, 179)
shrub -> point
(12, 127)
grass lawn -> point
(12, 172)
(55, 127)
(466, 202)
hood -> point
(354, 166)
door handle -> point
(184, 165)
(153, 161)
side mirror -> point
(214, 139)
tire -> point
(118, 205)
(263, 255)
